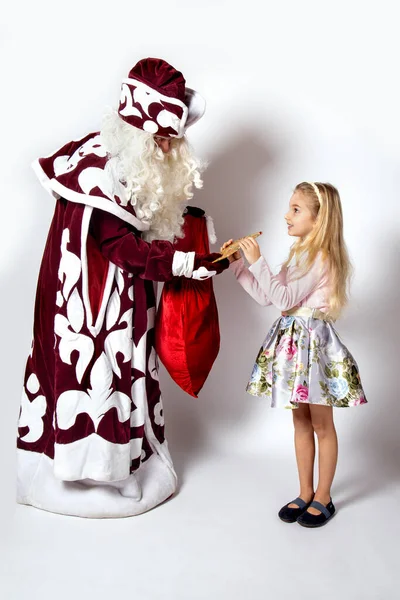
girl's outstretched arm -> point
(283, 295)
(249, 283)
(245, 278)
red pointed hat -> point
(155, 99)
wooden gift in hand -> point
(234, 247)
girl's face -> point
(299, 218)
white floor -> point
(218, 538)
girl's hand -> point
(251, 249)
(232, 257)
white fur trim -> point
(196, 105)
(91, 457)
(151, 485)
(211, 230)
(43, 178)
(203, 274)
(87, 213)
(106, 296)
(183, 263)
(96, 327)
(58, 190)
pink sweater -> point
(284, 290)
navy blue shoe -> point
(308, 520)
(290, 515)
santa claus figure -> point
(91, 437)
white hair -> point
(157, 185)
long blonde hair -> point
(326, 237)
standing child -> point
(302, 363)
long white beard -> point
(157, 185)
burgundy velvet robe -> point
(91, 407)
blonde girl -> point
(303, 364)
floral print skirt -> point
(302, 360)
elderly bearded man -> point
(91, 430)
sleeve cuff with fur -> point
(183, 264)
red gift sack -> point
(187, 328)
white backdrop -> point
(295, 91)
